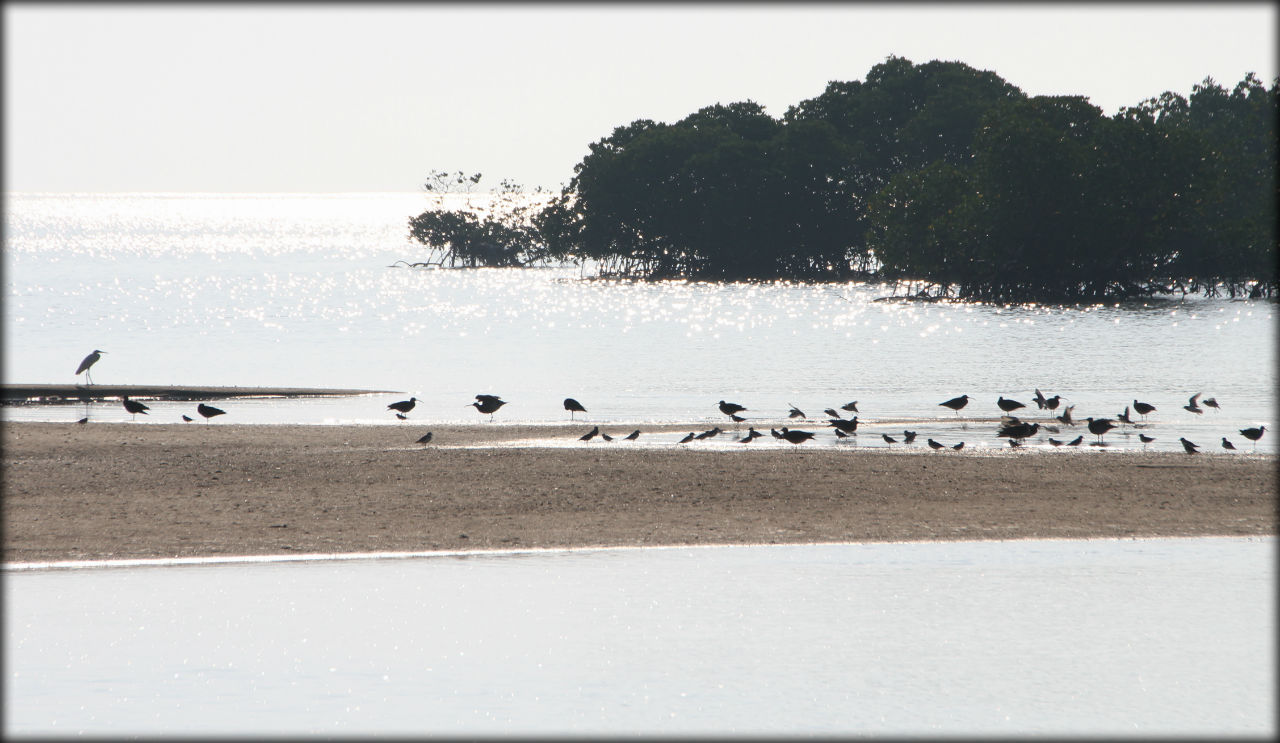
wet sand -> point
(114, 491)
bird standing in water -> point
(795, 412)
(208, 411)
(908, 437)
(956, 403)
(404, 406)
(1142, 409)
(488, 404)
(796, 437)
(1189, 446)
(1099, 427)
(134, 407)
(1253, 434)
(87, 363)
(632, 436)
(1009, 406)
(573, 406)
(1145, 439)
(590, 434)
(1227, 444)
(730, 408)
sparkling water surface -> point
(299, 291)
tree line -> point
(938, 176)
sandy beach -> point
(113, 491)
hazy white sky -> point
(327, 98)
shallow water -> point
(1100, 637)
(295, 290)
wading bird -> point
(935, 445)
(208, 411)
(1066, 418)
(134, 407)
(1054, 442)
(1009, 406)
(908, 437)
(487, 404)
(426, 438)
(1019, 431)
(1253, 434)
(708, 434)
(187, 418)
(958, 446)
(632, 436)
(1124, 417)
(795, 412)
(687, 439)
(888, 439)
(956, 403)
(404, 406)
(848, 426)
(1227, 444)
(1076, 441)
(1193, 404)
(752, 435)
(831, 412)
(1099, 426)
(606, 436)
(1053, 402)
(573, 406)
(88, 362)
(731, 408)
(796, 437)
(590, 434)
(1039, 399)
(1145, 439)
(1142, 409)
(1189, 446)
(850, 407)
(1211, 402)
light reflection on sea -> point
(297, 291)
(1142, 638)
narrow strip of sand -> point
(115, 491)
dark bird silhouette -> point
(774, 433)
(632, 436)
(731, 408)
(134, 407)
(208, 411)
(1009, 406)
(1076, 441)
(796, 412)
(687, 439)
(1054, 442)
(1142, 408)
(935, 445)
(1040, 400)
(1053, 402)
(841, 434)
(1193, 405)
(850, 407)
(404, 406)
(488, 404)
(1124, 417)
(83, 421)
(1099, 426)
(1227, 444)
(1145, 439)
(796, 437)
(888, 439)
(956, 403)
(1015, 443)
(736, 418)
(1189, 446)
(831, 412)
(402, 416)
(848, 426)
(1211, 402)
(187, 418)
(752, 435)
(908, 437)
(606, 436)
(708, 434)
(589, 434)
(1253, 434)
(1019, 431)
(958, 446)
(426, 438)
(88, 362)
(1066, 418)
(573, 406)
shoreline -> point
(112, 492)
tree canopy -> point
(936, 173)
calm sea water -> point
(297, 290)
(1114, 638)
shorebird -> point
(1039, 399)
(796, 412)
(708, 434)
(752, 435)
(841, 434)
(187, 418)
(1019, 431)
(1211, 402)
(1189, 446)
(89, 361)
(687, 439)
(589, 434)
(1227, 444)
(1099, 426)
(848, 426)
(850, 407)
(134, 407)
(83, 421)
(888, 439)
(796, 437)
(1052, 403)
(1009, 406)
(404, 406)
(606, 436)
(730, 408)
(908, 437)
(1124, 417)
(487, 404)
(1066, 418)
(1193, 404)
(935, 445)
(632, 436)
(1142, 408)
(956, 403)
(402, 416)
(1054, 442)
(1015, 443)
(1076, 441)
(573, 406)
(831, 412)
(736, 418)
(774, 433)
(1145, 439)
(208, 411)
(426, 438)
(958, 446)
(1253, 434)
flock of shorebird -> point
(1014, 430)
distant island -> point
(937, 177)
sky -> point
(308, 98)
